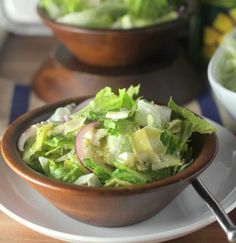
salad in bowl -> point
(116, 14)
(113, 140)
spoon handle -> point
(223, 219)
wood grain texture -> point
(117, 47)
(13, 232)
(18, 61)
(21, 56)
(63, 76)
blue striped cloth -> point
(207, 104)
(22, 99)
(209, 107)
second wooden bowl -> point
(117, 47)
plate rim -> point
(228, 203)
(182, 231)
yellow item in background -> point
(220, 40)
(214, 35)
(232, 14)
(210, 36)
(223, 23)
(213, 21)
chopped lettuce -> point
(101, 16)
(114, 111)
(56, 8)
(70, 126)
(147, 110)
(147, 9)
(114, 182)
(198, 124)
(37, 146)
(134, 141)
(132, 176)
(111, 14)
(124, 173)
(106, 100)
(66, 171)
(102, 171)
(124, 126)
(147, 145)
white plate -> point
(187, 213)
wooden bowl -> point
(117, 47)
(104, 206)
(62, 76)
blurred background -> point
(31, 54)
(42, 60)
(167, 59)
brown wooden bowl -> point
(104, 206)
(117, 47)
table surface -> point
(18, 63)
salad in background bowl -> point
(222, 73)
(116, 14)
(123, 33)
(116, 161)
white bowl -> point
(225, 96)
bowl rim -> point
(12, 157)
(191, 6)
(213, 80)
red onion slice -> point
(66, 118)
(82, 105)
(30, 132)
(79, 140)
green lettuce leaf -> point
(64, 171)
(114, 182)
(106, 100)
(198, 124)
(175, 145)
(118, 127)
(158, 174)
(71, 126)
(101, 16)
(32, 148)
(147, 9)
(58, 145)
(56, 8)
(133, 91)
(111, 14)
(124, 173)
(102, 171)
(60, 140)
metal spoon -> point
(223, 219)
